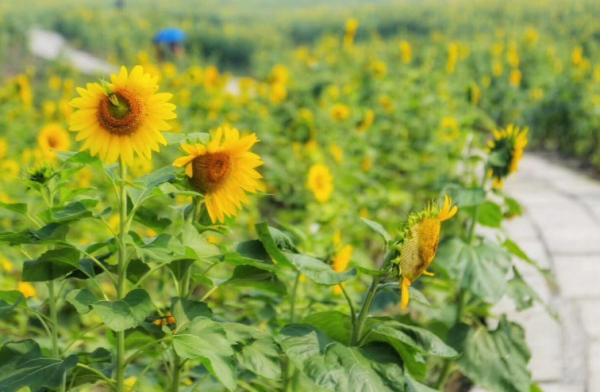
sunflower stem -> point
(121, 275)
(54, 329)
(364, 311)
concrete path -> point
(52, 46)
(561, 231)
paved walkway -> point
(561, 231)
(52, 46)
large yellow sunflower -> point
(52, 138)
(123, 117)
(418, 246)
(320, 182)
(506, 151)
(223, 171)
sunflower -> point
(122, 117)
(320, 182)
(223, 171)
(505, 153)
(419, 242)
(52, 138)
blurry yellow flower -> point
(342, 259)
(367, 122)
(223, 171)
(211, 77)
(129, 383)
(312, 145)
(278, 93)
(3, 147)
(537, 94)
(141, 167)
(68, 86)
(364, 213)
(54, 83)
(351, 27)
(52, 138)
(497, 68)
(307, 115)
(169, 70)
(450, 129)
(577, 56)
(387, 104)
(143, 58)
(84, 177)
(9, 168)
(512, 56)
(405, 52)
(333, 92)
(122, 118)
(366, 164)
(27, 289)
(49, 109)
(508, 146)
(515, 77)
(279, 75)
(338, 154)
(497, 49)
(25, 93)
(420, 242)
(453, 52)
(340, 112)
(378, 68)
(320, 182)
(6, 264)
(531, 36)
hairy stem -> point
(364, 311)
(121, 275)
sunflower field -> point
(308, 197)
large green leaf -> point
(19, 208)
(421, 339)
(336, 325)
(275, 242)
(22, 365)
(480, 269)
(199, 245)
(126, 313)
(207, 340)
(163, 248)
(465, 197)
(490, 214)
(149, 218)
(375, 367)
(379, 229)
(186, 310)
(260, 279)
(50, 234)
(317, 270)
(71, 212)
(82, 300)
(235, 259)
(495, 360)
(9, 301)
(523, 295)
(255, 350)
(51, 265)
(408, 341)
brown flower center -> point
(121, 113)
(52, 142)
(210, 171)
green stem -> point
(121, 275)
(97, 372)
(293, 298)
(54, 329)
(176, 371)
(351, 306)
(364, 311)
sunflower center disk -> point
(121, 113)
(210, 171)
